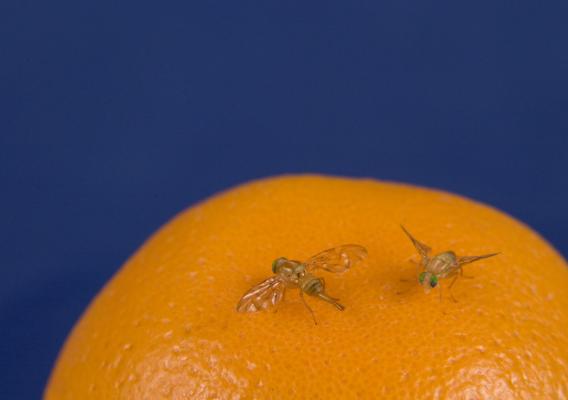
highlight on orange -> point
(166, 327)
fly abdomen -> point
(316, 287)
(312, 285)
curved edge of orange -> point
(165, 326)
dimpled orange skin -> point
(165, 327)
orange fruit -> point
(165, 327)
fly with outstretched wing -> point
(294, 274)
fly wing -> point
(421, 247)
(263, 296)
(469, 259)
(337, 259)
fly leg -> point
(450, 287)
(454, 281)
(308, 307)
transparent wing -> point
(421, 247)
(469, 259)
(337, 259)
(263, 296)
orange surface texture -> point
(165, 327)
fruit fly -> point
(442, 265)
(290, 274)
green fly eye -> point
(421, 277)
(433, 281)
(276, 263)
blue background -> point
(115, 115)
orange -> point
(165, 327)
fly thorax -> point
(299, 270)
(448, 256)
(442, 262)
(290, 270)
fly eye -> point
(276, 264)
(433, 281)
(421, 277)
